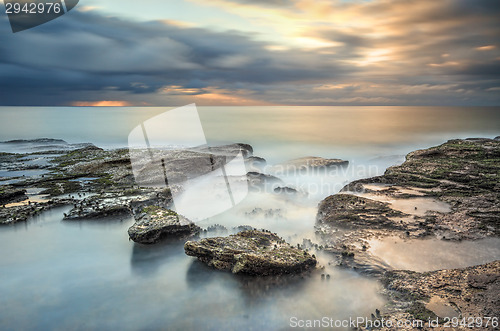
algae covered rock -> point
(349, 211)
(251, 252)
(156, 223)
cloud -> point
(390, 52)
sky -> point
(256, 52)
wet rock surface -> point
(10, 194)
(118, 203)
(155, 223)
(465, 174)
(450, 191)
(251, 252)
(21, 213)
(472, 292)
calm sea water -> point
(277, 133)
(63, 275)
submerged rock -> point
(251, 252)
(156, 223)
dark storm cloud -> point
(86, 52)
(439, 52)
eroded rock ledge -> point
(251, 252)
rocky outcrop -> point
(255, 163)
(260, 182)
(85, 170)
(251, 252)
(287, 191)
(117, 203)
(470, 292)
(107, 205)
(309, 163)
(180, 165)
(156, 223)
(451, 191)
(349, 211)
(110, 211)
(22, 212)
(10, 194)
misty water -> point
(88, 275)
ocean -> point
(61, 275)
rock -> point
(262, 182)
(309, 163)
(290, 192)
(255, 163)
(460, 179)
(9, 194)
(158, 223)
(474, 291)
(217, 228)
(285, 190)
(119, 203)
(38, 140)
(180, 165)
(22, 212)
(251, 252)
(112, 211)
(240, 228)
(482, 281)
(230, 150)
(349, 211)
(450, 191)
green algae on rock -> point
(251, 252)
